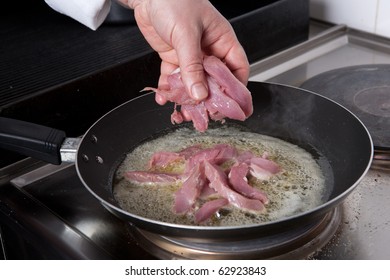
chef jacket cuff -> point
(89, 13)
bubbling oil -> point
(300, 186)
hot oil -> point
(298, 188)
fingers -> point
(183, 32)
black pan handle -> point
(33, 140)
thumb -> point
(191, 67)
(194, 79)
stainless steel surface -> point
(365, 228)
(38, 174)
(336, 47)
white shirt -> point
(91, 13)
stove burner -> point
(299, 243)
(375, 101)
(365, 91)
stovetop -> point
(52, 204)
(56, 217)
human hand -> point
(183, 32)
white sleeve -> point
(91, 13)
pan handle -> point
(33, 140)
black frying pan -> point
(338, 139)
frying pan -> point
(338, 140)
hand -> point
(182, 32)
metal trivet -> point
(381, 160)
(297, 244)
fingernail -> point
(199, 91)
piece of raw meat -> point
(228, 97)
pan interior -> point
(299, 187)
